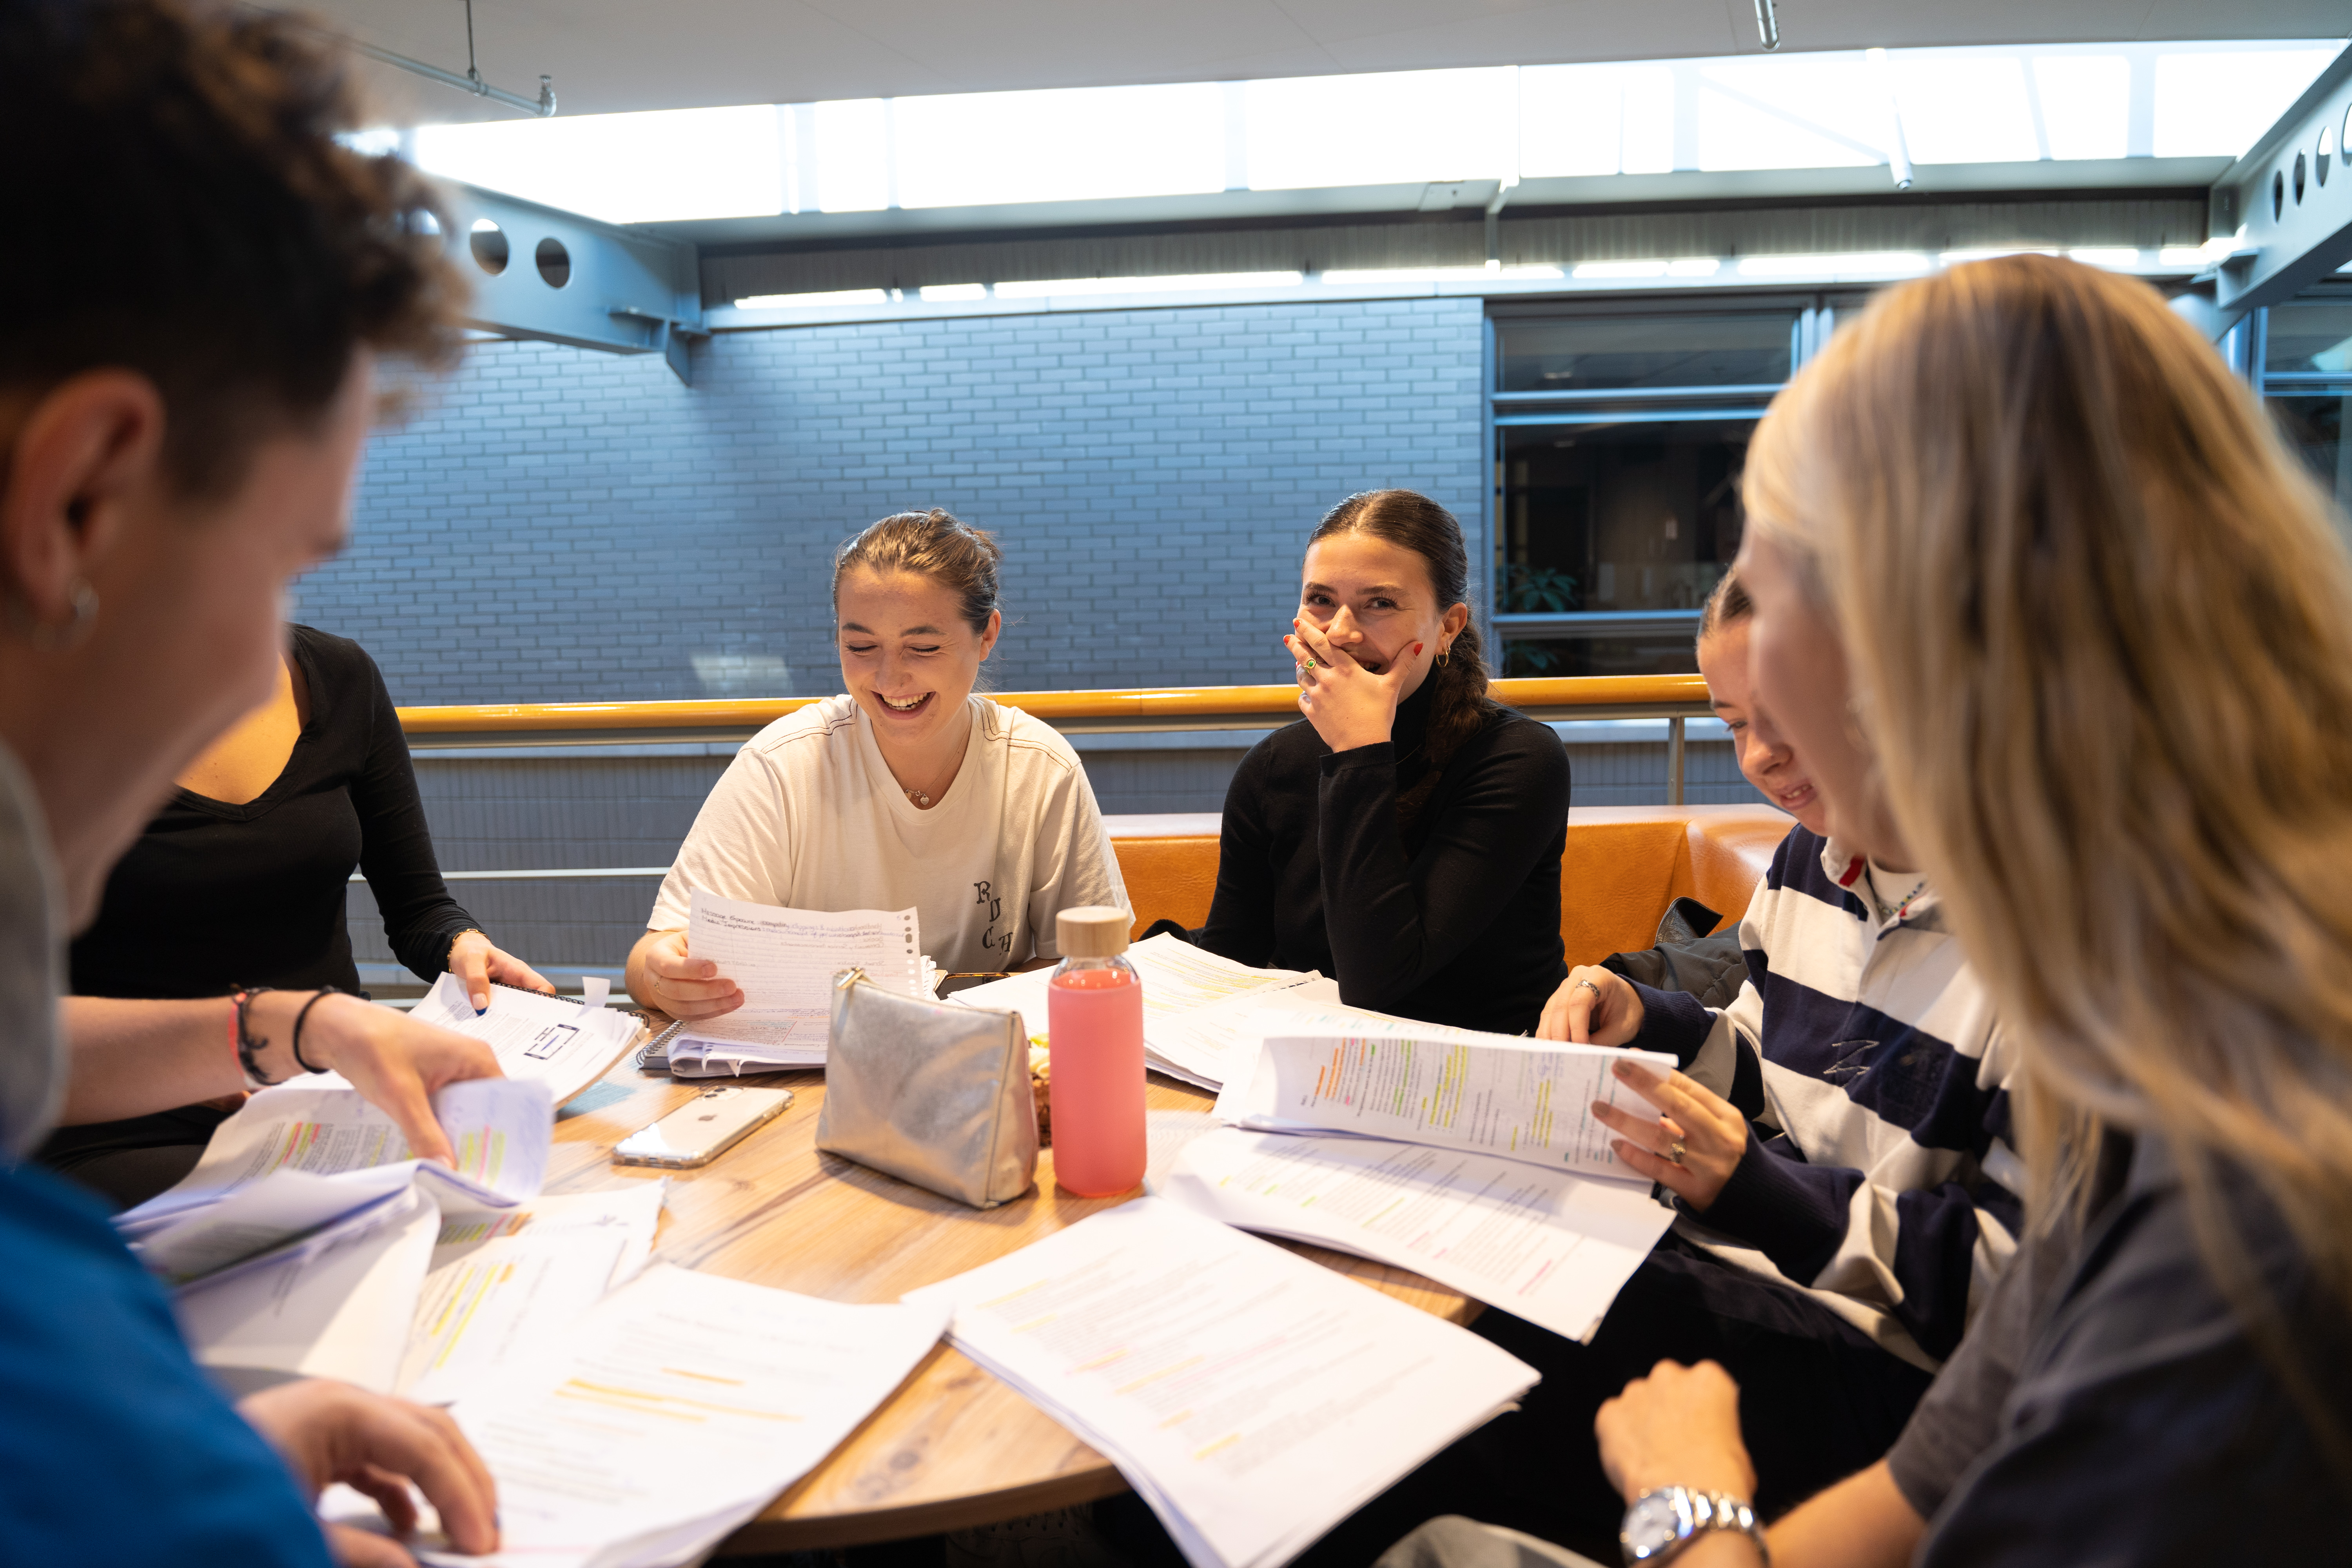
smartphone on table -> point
(703, 1128)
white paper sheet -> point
(340, 1312)
(499, 1283)
(1190, 998)
(265, 1221)
(675, 1410)
(1547, 1246)
(1253, 1398)
(567, 1045)
(785, 960)
(1453, 1088)
(500, 1129)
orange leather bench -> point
(1623, 867)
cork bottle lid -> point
(1092, 931)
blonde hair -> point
(2099, 625)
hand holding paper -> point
(566, 1045)
(784, 960)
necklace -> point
(923, 797)
(1908, 899)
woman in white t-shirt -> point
(907, 789)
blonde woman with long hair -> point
(2038, 587)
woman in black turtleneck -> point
(1405, 837)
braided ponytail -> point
(1459, 707)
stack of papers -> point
(1252, 1399)
(1194, 1004)
(564, 1044)
(785, 960)
(1451, 1089)
(675, 1410)
(299, 1168)
(1543, 1245)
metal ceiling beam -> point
(543, 273)
(2290, 200)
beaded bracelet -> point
(240, 1036)
(305, 1013)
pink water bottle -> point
(1094, 1017)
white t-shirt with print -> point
(808, 816)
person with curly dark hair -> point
(1406, 837)
(210, 277)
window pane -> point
(2310, 337)
(2315, 427)
(1637, 515)
(1618, 351)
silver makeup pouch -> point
(931, 1093)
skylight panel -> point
(1086, 144)
(1819, 112)
(853, 155)
(1964, 106)
(2086, 103)
(2215, 101)
(1381, 128)
(622, 168)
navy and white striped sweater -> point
(1879, 1176)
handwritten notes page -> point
(1253, 1398)
(1547, 1246)
(785, 960)
(1521, 1098)
(498, 1282)
(675, 1409)
(1191, 998)
(564, 1044)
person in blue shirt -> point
(180, 420)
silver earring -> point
(53, 639)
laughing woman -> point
(907, 789)
(1406, 837)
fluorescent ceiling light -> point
(1960, 258)
(2111, 256)
(936, 293)
(1852, 264)
(1357, 275)
(806, 301)
(1173, 285)
(1620, 270)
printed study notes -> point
(566, 1045)
(785, 960)
(1254, 1399)
(1520, 1099)
(299, 1166)
(1192, 1003)
(669, 1413)
(1548, 1246)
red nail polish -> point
(1416, 648)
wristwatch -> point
(1664, 1520)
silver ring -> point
(1588, 985)
(1674, 1151)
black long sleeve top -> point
(1455, 922)
(214, 896)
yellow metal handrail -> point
(1175, 707)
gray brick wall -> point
(553, 523)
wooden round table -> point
(952, 1447)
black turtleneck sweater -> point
(1456, 922)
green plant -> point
(1528, 658)
(1535, 588)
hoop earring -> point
(1445, 655)
(56, 639)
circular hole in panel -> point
(423, 220)
(488, 243)
(2278, 198)
(2326, 153)
(555, 262)
(2298, 179)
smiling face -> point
(907, 655)
(1374, 600)
(1765, 758)
(1798, 670)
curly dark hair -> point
(179, 206)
